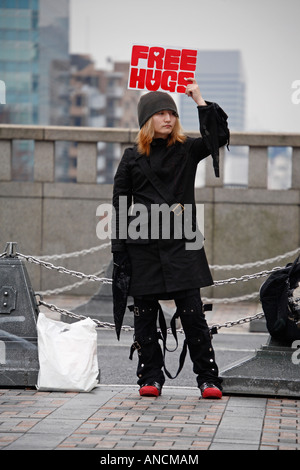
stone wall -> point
(47, 218)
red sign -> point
(159, 68)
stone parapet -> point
(47, 217)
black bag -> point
(281, 309)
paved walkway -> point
(116, 418)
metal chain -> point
(75, 254)
(61, 269)
(63, 311)
(246, 277)
(241, 321)
(230, 300)
(230, 267)
(93, 277)
(110, 326)
(106, 325)
(216, 267)
(60, 290)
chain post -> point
(10, 249)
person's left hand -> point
(194, 92)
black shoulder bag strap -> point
(159, 186)
(155, 181)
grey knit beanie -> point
(152, 103)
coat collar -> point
(154, 143)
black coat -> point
(164, 266)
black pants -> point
(150, 356)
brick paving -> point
(282, 425)
(116, 418)
(172, 421)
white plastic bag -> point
(67, 355)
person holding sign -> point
(159, 172)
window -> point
(23, 4)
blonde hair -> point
(146, 135)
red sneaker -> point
(150, 390)
(209, 390)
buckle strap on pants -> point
(150, 357)
(198, 338)
(151, 361)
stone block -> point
(21, 222)
(258, 167)
(98, 192)
(296, 168)
(86, 163)
(13, 131)
(251, 232)
(70, 225)
(20, 189)
(5, 167)
(44, 161)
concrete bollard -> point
(270, 372)
(18, 315)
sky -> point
(267, 33)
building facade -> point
(45, 85)
(33, 34)
(221, 78)
(34, 45)
(100, 98)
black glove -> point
(121, 259)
